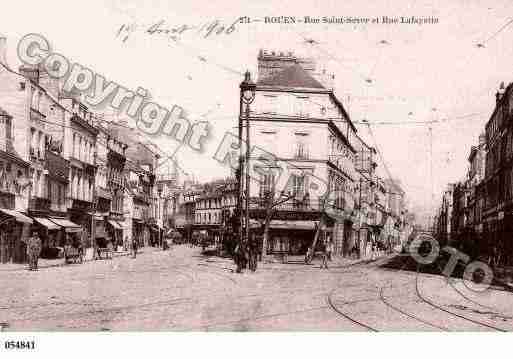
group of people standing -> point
(246, 255)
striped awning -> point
(114, 224)
(17, 216)
(46, 223)
(282, 224)
(68, 226)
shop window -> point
(266, 183)
(298, 185)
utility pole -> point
(247, 95)
(240, 172)
(360, 220)
(247, 174)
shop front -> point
(69, 231)
(140, 232)
(291, 237)
(81, 215)
(14, 232)
(115, 232)
(50, 235)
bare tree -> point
(270, 201)
(311, 250)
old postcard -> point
(269, 166)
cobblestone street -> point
(181, 289)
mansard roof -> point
(293, 76)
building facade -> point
(294, 112)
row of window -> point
(208, 218)
(82, 186)
(38, 184)
(338, 187)
(302, 105)
(83, 148)
(209, 203)
(56, 194)
(297, 184)
(116, 204)
(38, 140)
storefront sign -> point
(287, 215)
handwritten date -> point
(205, 30)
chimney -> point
(48, 83)
(271, 63)
(500, 92)
(482, 140)
(30, 72)
(3, 50)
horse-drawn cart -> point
(73, 254)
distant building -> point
(498, 180)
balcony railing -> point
(294, 204)
(6, 145)
(300, 155)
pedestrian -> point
(324, 256)
(237, 257)
(33, 250)
(253, 255)
(329, 250)
(134, 247)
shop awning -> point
(304, 225)
(46, 223)
(281, 224)
(17, 215)
(68, 226)
(114, 224)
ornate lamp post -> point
(247, 96)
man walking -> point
(324, 255)
(253, 254)
(33, 250)
(329, 250)
(134, 247)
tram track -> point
(409, 315)
(347, 316)
(434, 305)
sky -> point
(398, 73)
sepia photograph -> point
(177, 168)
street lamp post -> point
(247, 95)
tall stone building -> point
(298, 119)
(498, 180)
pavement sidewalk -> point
(59, 262)
(296, 261)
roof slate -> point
(292, 76)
